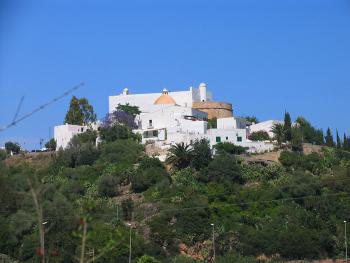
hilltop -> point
(277, 211)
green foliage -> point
(147, 259)
(329, 138)
(313, 162)
(121, 151)
(3, 155)
(179, 155)
(288, 211)
(127, 208)
(12, 147)
(212, 123)
(201, 154)
(287, 127)
(229, 148)
(88, 136)
(80, 112)
(251, 119)
(127, 108)
(259, 136)
(107, 186)
(258, 172)
(149, 172)
(297, 139)
(309, 133)
(224, 167)
(279, 133)
(117, 132)
(51, 144)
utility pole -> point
(346, 243)
(129, 242)
(213, 238)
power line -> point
(41, 107)
(346, 195)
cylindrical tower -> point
(203, 92)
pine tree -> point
(329, 138)
(339, 144)
(287, 127)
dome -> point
(165, 98)
(202, 84)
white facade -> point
(64, 133)
(168, 117)
(264, 126)
(145, 101)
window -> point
(226, 138)
(218, 139)
(239, 138)
(150, 123)
(155, 133)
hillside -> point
(88, 197)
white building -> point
(145, 102)
(168, 117)
(64, 133)
(264, 126)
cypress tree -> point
(339, 144)
(346, 143)
(287, 127)
(329, 138)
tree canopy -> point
(80, 112)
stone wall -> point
(214, 109)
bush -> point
(107, 186)
(3, 154)
(116, 132)
(86, 154)
(259, 136)
(51, 144)
(12, 147)
(122, 151)
(230, 148)
(147, 259)
(127, 208)
(145, 178)
(224, 167)
(80, 154)
(89, 136)
(201, 154)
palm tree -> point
(180, 155)
(278, 131)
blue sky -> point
(264, 57)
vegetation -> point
(51, 144)
(251, 119)
(85, 201)
(259, 136)
(12, 147)
(80, 112)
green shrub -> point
(230, 148)
(3, 154)
(12, 147)
(259, 136)
(127, 209)
(107, 186)
(147, 259)
(224, 167)
(121, 151)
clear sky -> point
(263, 56)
